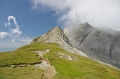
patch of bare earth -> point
(45, 64)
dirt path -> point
(45, 64)
(49, 71)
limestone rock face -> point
(56, 35)
(96, 43)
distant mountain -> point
(101, 44)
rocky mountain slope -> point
(103, 45)
(56, 35)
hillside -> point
(47, 58)
(67, 65)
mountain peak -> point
(57, 28)
(81, 27)
(55, 35)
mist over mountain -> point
(100, 44)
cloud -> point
(3, 34)
(14, 38)
(99, 13)
(7, 24)
(14, 32)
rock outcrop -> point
(96, 43)
(56, 35)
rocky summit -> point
(101, 44)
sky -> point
(23, 20)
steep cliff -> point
(96, 43)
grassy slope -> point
(18, 57)
(20, 73)
(78, 68)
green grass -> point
(37, 46)
(81, 68)
(20, 73)
(25, 54)
(78, 68)
(36, 39)
(18, 57)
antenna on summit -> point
(76, 18)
